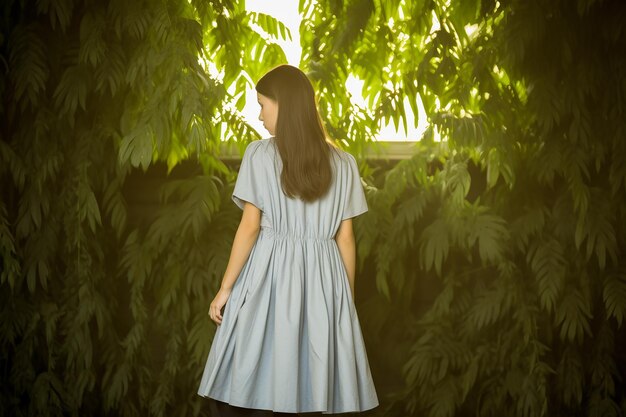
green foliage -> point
(103, 309)
(514, 224)
(491, 264)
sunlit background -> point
(287, 12)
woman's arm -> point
(246, 235)
(347, 249)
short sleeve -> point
(249, 186)
(355, 203)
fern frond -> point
(270, 25)
(572, 315)
(614, 296)
(547, 261)
(92, 46)
(29, 68)
(59, 11)
(489, 306)
(434, 245)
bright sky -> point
(287, 12)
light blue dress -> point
(290, 339)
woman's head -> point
(289, 112)
(269, 112)
(292, 93)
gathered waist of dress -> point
(275, 234)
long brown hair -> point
(300, 137)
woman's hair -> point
(300, 137)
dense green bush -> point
(501, 250)
(104, 311)
(491, 276)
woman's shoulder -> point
(345, 158)
(258, 147)
(258, 143)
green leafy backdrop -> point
(491, 276)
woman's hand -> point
(245, 238)
(215, 310)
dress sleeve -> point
(249, 184)
(355, 203)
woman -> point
(289, 340)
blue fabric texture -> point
(290, 339)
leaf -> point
(200, 338)
(88, 207)
(570, 377)
(115, 207)
(421, 364)
(458, 180)
(110, 71)
(598, 231)
(72, 91)
(434, 245)
(467, 11)
(117, 385)
(92, 45)
(572, 315)
(136, 258)
(10, 266)
(443, 399)
(29, 69)
(59, 11)
(614, 296)
(197, 136)
(547, 261)
(492, 234)
(383, 268)
(497, 167)
(617, 176)
(137, 148)
(406, 217)
(489, 306)
(445, 300)
(270, 25)
(469, 378)
(529, 223)
(11, 162)
(135, 21)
